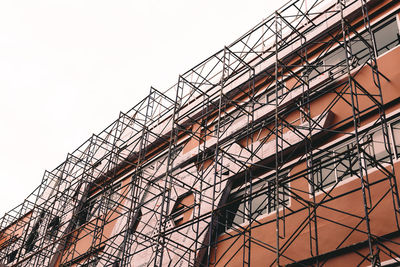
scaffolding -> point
(227, 126)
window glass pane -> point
(386, 36)
(379, 145)
(317, 69)
(240, 215)
(238, 210)
(335, 62)
(344, 160)
(283, 195)
(271, 196)
(396, 136)
(259, 203)
(258, 206)
(359, 49)
(324, 175)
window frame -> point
(376, 26)
(178, 210)
(393, 140)
(346, 142)
(266, 178)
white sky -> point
(68, 67)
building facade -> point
(282, 149)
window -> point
(91, 263)
(396, 137)
(325, 173)
(335, 166)
(316, 69)
(183, 205)
(335, 62)
(386, 35)
(136, 220)
(270, 95)
(12, 255)
(52, 228)
(87, 211)
(33, 236)
(359, 50)
(346, 161)
(342, 162)
(376, 147)
(240, 207)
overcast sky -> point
(68, 67)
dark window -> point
(86, 213)
(33, 236)
(52, 228)
(241, 206)
(11, 256)
(90, 263)
(136, 220)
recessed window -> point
(86, 213)
(386, 35)
(333, 61)
(336, 165)
(341, 162)
(11, 256)
(241, 205)
(91, 263)
(136, 220)
(33, 235)
(182, 209)
(396, 137)
(52, 228)
(377, 147)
